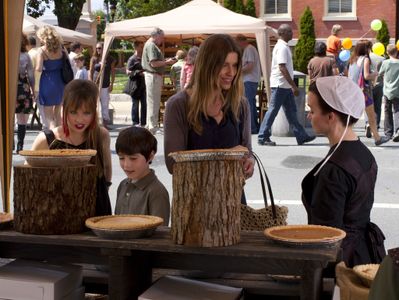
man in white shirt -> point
(76, 48)
(283, 89)
(251, 76)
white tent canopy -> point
(196, 18)
(31, 25)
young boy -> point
(81, 72)
(390, 71)
(141, 192)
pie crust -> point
(305, 234)
(59, 152)
(124, 222)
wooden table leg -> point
(129, 276)
(311, 284)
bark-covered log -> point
(53, 200)
(206, 202)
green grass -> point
(120, 81)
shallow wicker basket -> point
(366, 273)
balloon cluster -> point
(378, 48)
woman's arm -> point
(106, 148)
(40, 142)
(329, 196)
(175, 128)
(249, 161)
(366, 70)
(91, 69)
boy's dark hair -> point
(75, 45)
(32, 40)
(133, 140)
(320, 48)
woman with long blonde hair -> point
(49, 63)
(211, 113)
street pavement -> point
(286, 164)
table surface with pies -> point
(131, 261)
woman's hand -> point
(248, 162)
(248, 166)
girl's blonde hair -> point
(205, 79)
(50, 38)
(81, 93)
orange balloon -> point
(347, 43)
(397, 45)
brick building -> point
(355, 16)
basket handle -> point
(263, 177)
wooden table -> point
(131, 261)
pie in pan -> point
(59, 152)
(305, 234)
(58, 157)
(124, 226)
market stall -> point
(31, 25)
(197, 19)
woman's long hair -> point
(362, 48)
(205, 79)
(84, 93)
(50, 38)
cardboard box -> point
(24, 279)
(179, 288)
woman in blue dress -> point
(49, 63)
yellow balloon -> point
(379, 49)
(347, 43)
(397, 45)
(376, 24)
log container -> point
(53, 200)
(207, 188)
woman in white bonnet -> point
(339, 191)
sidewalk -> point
(122, 105)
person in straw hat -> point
(339, 191)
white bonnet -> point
(342, 94)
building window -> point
(340, 10)
(339, 6)
(276, 10)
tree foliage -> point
(304, 49)
(383, 34)
(68, 12)
(238, 6)
(250, 9)
(230, 4)
(36, 8)
(140, 8)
